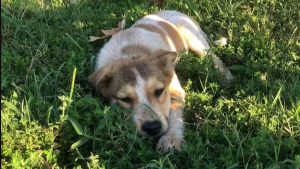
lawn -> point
(51, 117)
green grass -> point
(254, 123)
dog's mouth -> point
(154, 137)
(156, 134)
(159, 135)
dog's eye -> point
(125, 99)
(158, 92)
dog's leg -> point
(196, 41)
(194, 37)
(173, 138)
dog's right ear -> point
(101, 80)
(166, 61)
(166, 58)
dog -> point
(135, 69)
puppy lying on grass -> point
(136, 70)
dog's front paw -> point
(167, 143)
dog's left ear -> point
(165, 58)
(101, 79)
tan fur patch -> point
(173, 34)
(153, 84)
(152, 28)
(177, 94)
(135, 49)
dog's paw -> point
(167, 143)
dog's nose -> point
(152, 128)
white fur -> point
(140, 88)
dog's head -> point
(140, 83)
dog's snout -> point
(152, 128)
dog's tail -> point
(221, 42)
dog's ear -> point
(101, 80)
(165, 58)
(166, 62)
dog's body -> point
(136, 68)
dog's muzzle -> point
(152, 128)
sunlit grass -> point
(254, 123)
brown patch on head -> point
(159, 65)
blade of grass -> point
(58, 70)
(74, 41)
(49, 113)
(10, 106)
(79, 142)
(191, 7)
(76, 125)
(277, 96)
(297, 113)
(72, 85)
